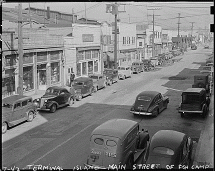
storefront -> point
(87, 59)
(55, 57)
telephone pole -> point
(20, 52)
(192, 30)
(178, 27)
(153, 34)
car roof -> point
(12, 99)
(56, 87)
(83, 79)
(151, 94)
(167, 138)
(115, 127)
(194, 90)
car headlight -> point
(45, 101)
(38, 100)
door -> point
(64, 95)
(160, 102)
(100, 82)
(17, 113)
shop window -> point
(95, 54)
(140, 43)
(87, 54)
(55, 72)
(80, 55)
(95, 66)
(78, 69)
(90, 67)
(41, 56)
(8, 82)
(10, 60)
(84, 68)
(41, 70)
(28, 78)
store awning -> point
(88, 48)
(111, 56)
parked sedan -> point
(169, 147)
(99, 81)
(149, 103)
(54, 98)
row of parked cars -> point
(122, 142)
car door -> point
(160, 102)
(65, 95)
(17, 113)
(25, 108)
(59, 97)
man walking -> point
(72, 77)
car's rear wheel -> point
(53, 108)
(156, 113)
(30, 116)
(4, 127)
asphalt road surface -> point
(63, 141)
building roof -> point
(115, 127)
(88, 21)
(167, 138)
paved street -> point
(62, 138)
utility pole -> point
(113, 8)
(85, 13)
(192, 31)
(29, 13)
(178, 27)
(20, 52)
(153, 30)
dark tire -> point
(205, 111)
(4, 127)
(156, 113)
(129, 163)
(30, 116)
(124, 77)
(53, 108)
(182, 115)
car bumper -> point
(187, 111)
(140, 113)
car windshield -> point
(79, 83)
(52, 91)
(144, 98)
(163, 150)
(93, 77)
(7, 105)
(190, 98)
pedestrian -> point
(72, 77)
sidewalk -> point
(205, 148)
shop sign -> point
(87, 38)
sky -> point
(165, 13)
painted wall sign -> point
(87, 38)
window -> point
(99, 141)
(163, 150)
(87, 54)
(140, 43)
(24, 103)
(144, 98)
(124, 40)
(17, 105)
(128, 40)
(111, 143)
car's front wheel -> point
(129, 163)
(30, 116)
(4, 127)
(53, 108)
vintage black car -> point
(83, 87)
(149, 103)
(16, 109)
(169, 147)
(137, 67)
(202, 81)
(54, 98)
(117, 142)
(194, 100)
(206, 46)
(193, 47)
(111, 75)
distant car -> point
(111, 75)
(124, 72)
(168, 147)
(54, 98)
(148, 65)
(137, 67)
(193, 47)
(116, 142)
(99, 81)
(83, 87)
(194, 100)
(16, 109)
(149, 103)
(206, 46)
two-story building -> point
(141, 39)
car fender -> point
(51, 103)
(129, 154)
(155, 107)
(31, 110)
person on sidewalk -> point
(72, 77)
